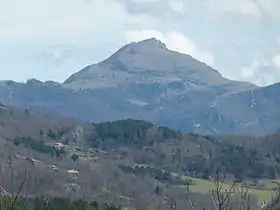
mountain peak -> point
(151, 42)
(141, 47)
(148, 61)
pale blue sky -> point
(51, 39)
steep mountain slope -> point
(251, 109)
(149, 62)
(145, 80)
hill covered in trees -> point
(130, 163)
(190, 154)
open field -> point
(263, 189)
(264, 194)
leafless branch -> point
(221, 199)
(189, 197)
(18, 191)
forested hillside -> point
(188, 154)
(129, 163)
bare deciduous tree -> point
(221, 195)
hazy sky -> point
(51, 39)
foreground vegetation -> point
(52, 203)
(133, 163)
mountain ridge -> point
(151, 57)
(146, 84)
